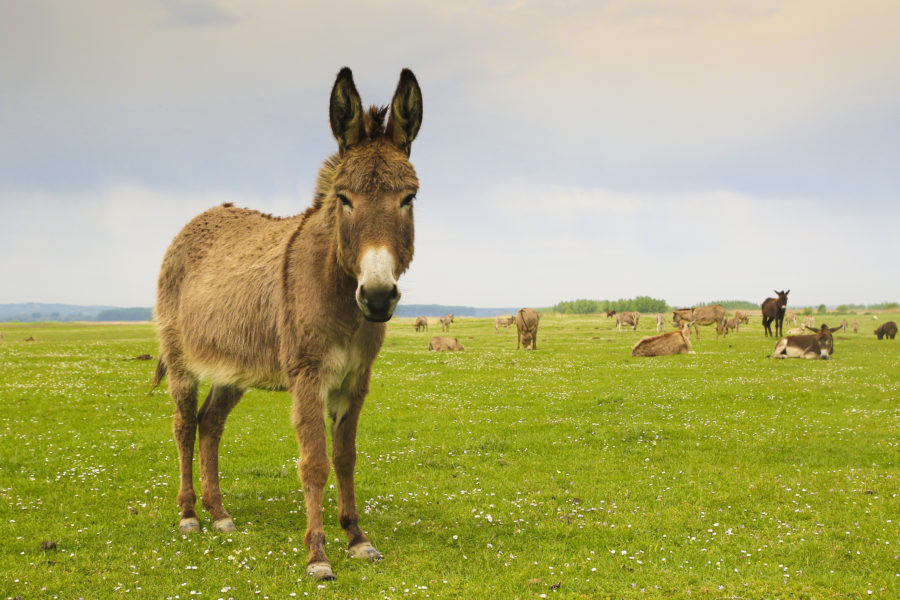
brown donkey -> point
(297, 304)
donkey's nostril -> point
(394, 292)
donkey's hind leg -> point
(183, 389)
(212, 416)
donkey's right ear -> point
(345, 111)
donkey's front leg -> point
(343, 452)
(313, 466)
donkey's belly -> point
(224, 371)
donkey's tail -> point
(158, 375)
(160, 372)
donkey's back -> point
(219, 302)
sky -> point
(685, 150)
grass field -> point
(574, 471)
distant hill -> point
(35, 311)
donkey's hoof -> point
(365, 551)
(225, 525)
(189, 525)
(320, 570)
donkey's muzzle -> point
(376, 291)
(377, 303)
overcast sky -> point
(690, 151)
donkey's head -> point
(373, 188)
(782, 299)
(825, 339)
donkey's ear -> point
(406, 112)
(346, 112)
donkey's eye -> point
(345, 202)
(407, 202)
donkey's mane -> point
(326, 179)
(373, 121)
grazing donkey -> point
(773, 310)
(887, 330)
(421, 324)
(296, 304)
(527, 320)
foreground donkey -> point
(818, 345)
(297, 304)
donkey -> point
(527, 320)
(773, 310)
(421, 324)
(818, 345)
(628, 318)
(296, 304)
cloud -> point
(538, 246)
(197, 14)
(105, 248)
(568, 149)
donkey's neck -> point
(314, 276)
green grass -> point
(574, 471)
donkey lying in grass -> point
(297, 304)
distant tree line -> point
(644, 304)
(733, 304)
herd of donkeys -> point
(818, 344)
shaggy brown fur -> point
(445, 344)
(773, 310)
(527, 320)
(673, 342)
(887, 330)
(249, 300)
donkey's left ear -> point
(406, 112)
